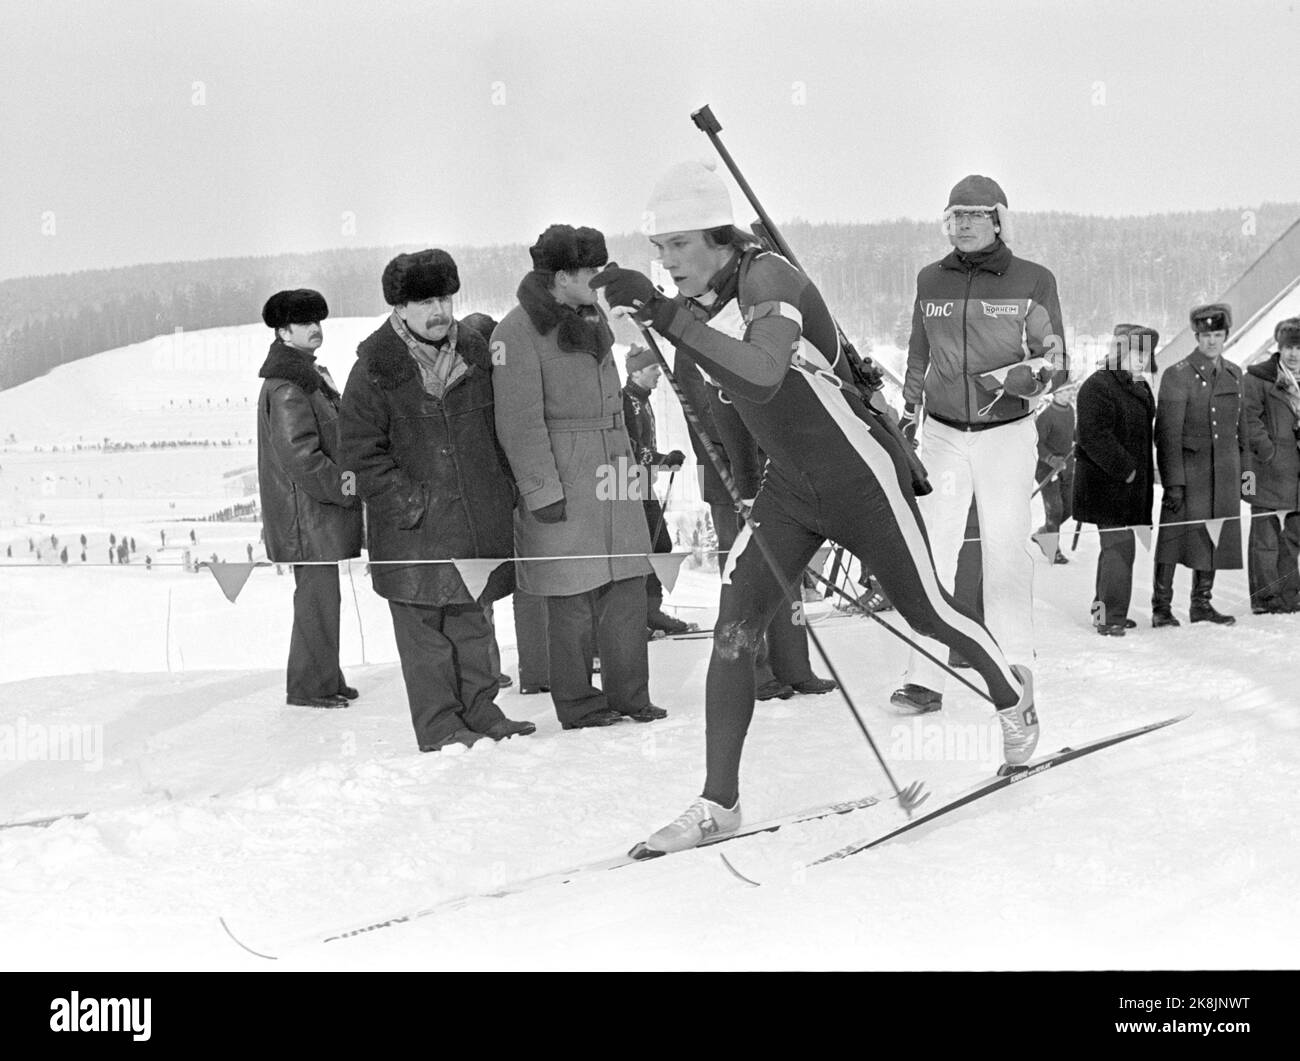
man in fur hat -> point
(310, 518)
(987, 342)
(1198, 443)
(418, 434)
(1271, 484)
(559, 415)
(1115, 474)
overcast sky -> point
(137, 131)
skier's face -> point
(306, 337)
(430, 318)
(1211, 343)
(1290, 356)
(691, 260)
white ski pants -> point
(996, 466)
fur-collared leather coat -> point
(559, 415)
(435, 483)
(1115, 433)
(1272, 460)
(1198, 447)
(307, 514)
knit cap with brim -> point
(688, 197)
(638, 358)
(977, 192)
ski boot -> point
(1020, 722)
(702, 820)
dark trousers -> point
(313, 670)
(1273, 574)
(446, 655)
(1114, 590)
(1058, 495)
(660, 542)
(1162, 589)
(531, 636)
(782, 655)
(618, 609)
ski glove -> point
(1022, 382)
(675, 459)
(1174, 496)
(1056, 461)
(634, 291)
(552, 513)
(907, 422)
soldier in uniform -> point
(1198, 444)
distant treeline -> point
(1146, 269)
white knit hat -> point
(689, 196)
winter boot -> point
(914, 699)
(504, 728)
(815, 685)
(1020, 722)
(774, 690)
(333, 701)
(702, 820)
(1162, 597)
(1202, 610)
(649, 713)
(464, 737)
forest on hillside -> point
(1149, 269)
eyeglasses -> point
(973, 216)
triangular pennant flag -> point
(476, 573)
(1215, 528)
(666, 566)
(231, 577)
(818, 562)
(1143, 533)
(1050, 543)
(1281, 520)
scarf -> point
(440, 365)
(1290, 389)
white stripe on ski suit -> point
(858, 435)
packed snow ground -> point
(207, 797)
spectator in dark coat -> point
(1198, 449)
(418, 433)
(1271, 483)
(1114, 470)
(1055, 468)
(311, 517)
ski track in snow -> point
(212, 798)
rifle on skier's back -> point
(866, 374)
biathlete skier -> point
(759, 328)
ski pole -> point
(1046, 479)
(663, 509)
